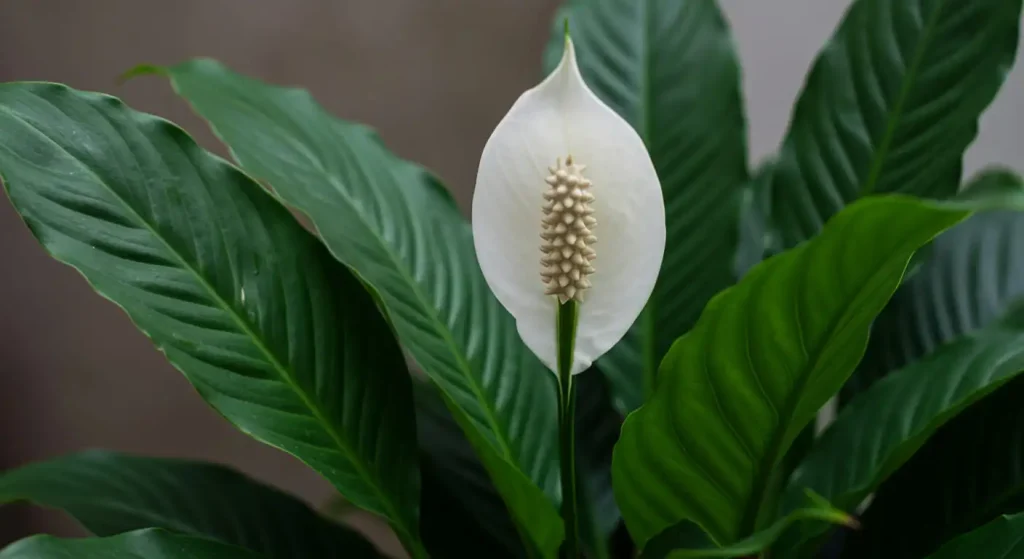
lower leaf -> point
(144, 544)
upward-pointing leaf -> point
(890, 106)
(273, 333)
(973, 271)
(112, 493)
(395, 225)
(669, 68)
(766, 354)
(142, 544)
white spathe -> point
(559, 118)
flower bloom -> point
(560, 172)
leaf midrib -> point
(439, 326)
(241, 323)
(897, 111)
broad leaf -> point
(112, 493)
(969, 472)
(1003, 538)
(284, 342)
(881, 428)
(143, 544)
(766, 354)
(890, 105)
(671, 544)
(397, 228)
(972, 272)
(669, 68)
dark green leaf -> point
(735, 391)
(284, 342)
(667, 544)
(399, 230)
(882, 427)
(969, 472)
(890, 106)
(462, 512)
(1003, 538)
(972, 272)
(669, 68)
(144, 544)
(112, 493)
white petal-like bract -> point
(613, 263)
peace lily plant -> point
(697, 314)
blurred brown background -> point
(433, 76)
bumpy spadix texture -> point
(559, 172)
(567, 233)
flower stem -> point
(567, 316)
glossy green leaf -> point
(112, 493)
(143, 544)
(890, 105)
(664, 545)
(972, 272)
(969, 472)
(766, 354)
(669, 68)
(1003, 538)
(399, 230)
(284, 342)
(882, 427)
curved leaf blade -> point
(271, 331)
(110, 493)
(663, 546)
(1003, 538)
(143, 544)
(398, 229)
(882, 427)
(640, 57)
(974, 270)
(764, 357)
(968, 473)
(890, 105)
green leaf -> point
(969, 472)
(143, 544)
(890, 105)
(735, 392)
(462, 513)
(284, 342)
(974, 270)
(665, 545)
(112, 493)
(669, 68)
(399, 230)
(881, 428)
(1003, 538)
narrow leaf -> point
(881, 428)
(662, 547)
(284, 342)
(1003, 538)
(969, 472)
(766, 354)
(890, 105)
(112, 493)
(144, 544)
(398, 229)
(641, 57)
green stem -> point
(566, 341)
